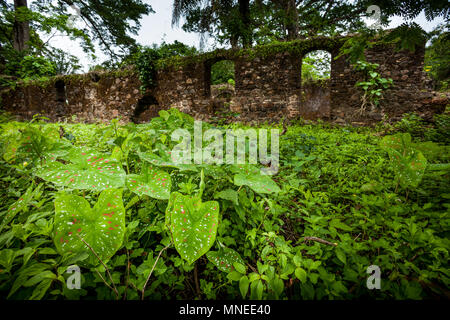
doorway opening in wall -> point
(61, 98)
(60, 87)
(146, 108)
(316, 73)
(222, 79)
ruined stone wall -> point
(91, 97)
(411, 91)
(268, 87)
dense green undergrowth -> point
(136, 223)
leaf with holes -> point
(89, 170)
(102, 226)
(151, 182)
(224, 259)
(250, 176)
(193, 225)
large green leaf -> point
(224, 259)
(34, 143)
(193, 225)
(165, 161)
(409, 164)
(250, 176)
(228, 194)
(89, 170)
(151, 182)
(400, 143)
(102, 226)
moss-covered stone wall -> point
(268, 87)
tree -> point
(437, 56)
(228, 20)
(21, 28)
(107, 21)
(245, 22)
(110, 23)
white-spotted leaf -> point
(224, 259)
(102, 226)
(151, 182)
(88, 170)
(193, 225)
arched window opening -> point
(316, 73)
(146, 109)
(95, 77)
(222, 79)
(316, 66)
(60, 87)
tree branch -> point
(320, 241)
(154, 265)
(104, 265)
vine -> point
(373, 85)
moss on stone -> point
(296, 48)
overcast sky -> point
(157, 27)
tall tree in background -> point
(21, 28)
(27, 27)
(244, 18)
(260, 21)
(112, 23)
(226, 20)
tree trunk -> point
(21, 29)
(246, 32)
(292, 25)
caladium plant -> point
(88, 170)
(151, 182)
(193, 224)
(250, 176)
(34, 144)
(165, 160)
(409, 163)
(101, 227)
(224, 259)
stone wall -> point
(268, 87)
(92, 97)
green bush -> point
(112, 201)
(222, 72)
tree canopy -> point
(247, 22)
(26, 28)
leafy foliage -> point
(111, 24)
(145, 59)
(101, 227)
(251, 176)
(337, 185)
(193, 225)
(437, 57)
(316, 66)
(373, 86)
(222, 72)
(151, 182)
(89, 170)
(225, 258)
(409, 164)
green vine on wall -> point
(146, 67)
(295, 48)
(373, 86)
